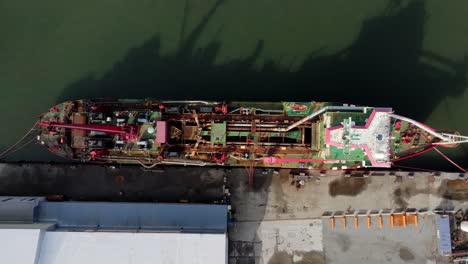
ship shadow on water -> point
(386, 65)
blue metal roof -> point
(444, 240)
(194, 218)
(150, 217)
(18, 209)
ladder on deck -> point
(315, 136)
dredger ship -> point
(313, 135)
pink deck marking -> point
(327, 136)
(161, 132)
(363, 146)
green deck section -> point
(237, 133)
(147, 132)
(359, 119)
(396, 139)
(298, 108)
(351, 156)
(154, 116)
(131, 119)
(337, 153)
(347, 135)
(58, 112)
(218, 133)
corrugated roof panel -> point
(132, 248)
(444, 240)
(20, 246)
(18, 209)
(193, 218)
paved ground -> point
(386, 245)
(277, 223)
(280, 219)
(278, 199)
(100, 183)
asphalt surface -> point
(109, 183)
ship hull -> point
(312, 135)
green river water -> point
(409, 55)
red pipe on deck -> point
(277, 160)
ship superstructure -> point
(314, 135)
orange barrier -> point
(398, 219)
(412, 219)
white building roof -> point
(19, 246)
(28, 246)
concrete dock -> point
(286, 224)
(276, 221)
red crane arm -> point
(118, 130)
